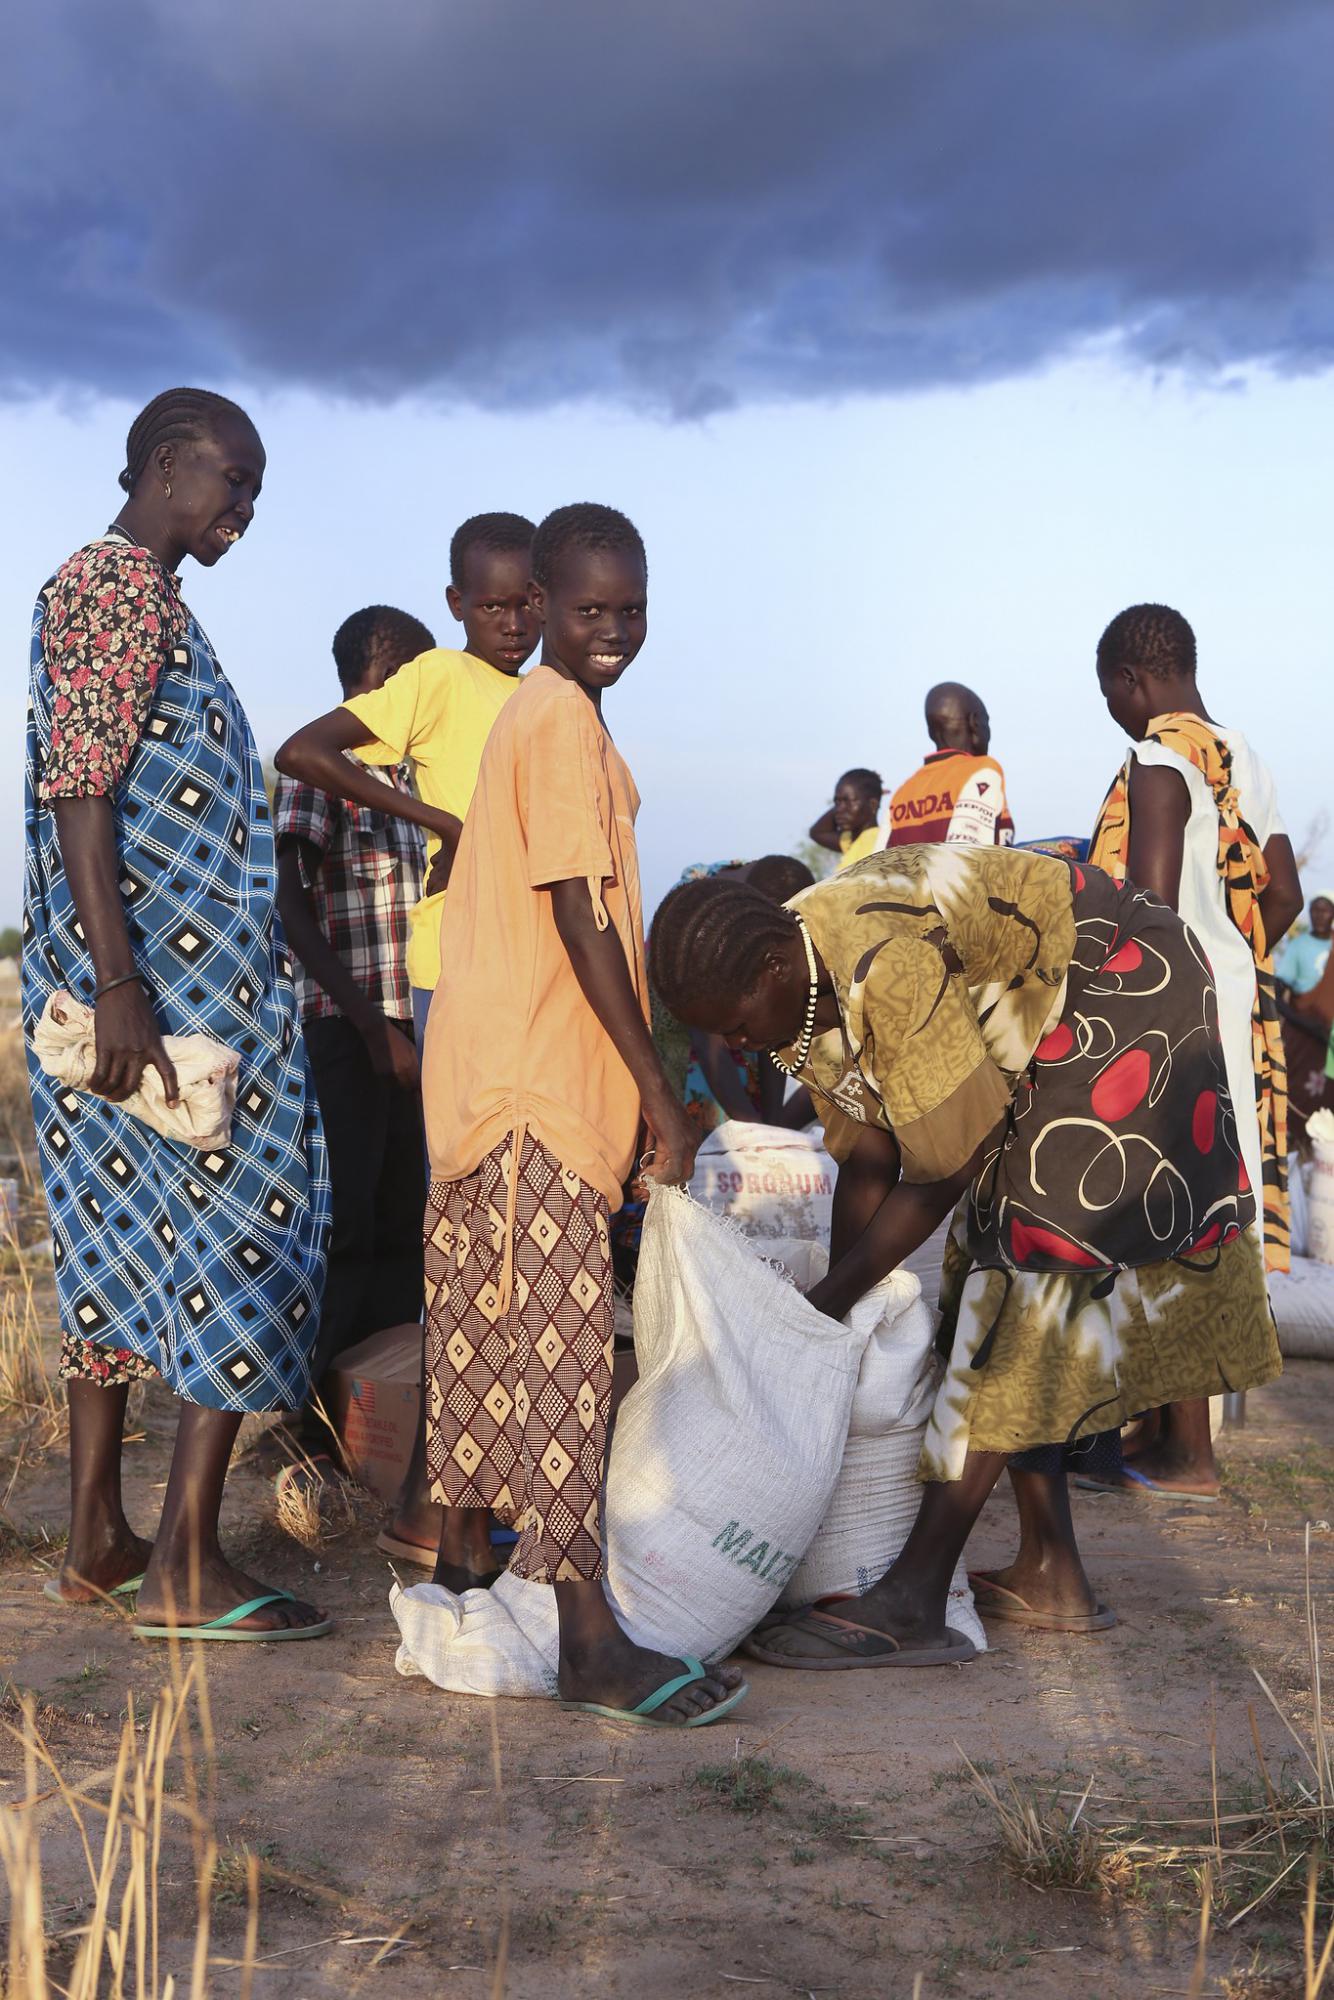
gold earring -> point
(168, 489)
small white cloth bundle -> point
(66, 1044)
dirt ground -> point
(824, 1841)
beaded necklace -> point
(801, 1048)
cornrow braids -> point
(1151, 636)
(585, 526)
(377, 625)
(863, 780)
(709, 939)
(498, 534)
(171, 418)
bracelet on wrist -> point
(110, 985)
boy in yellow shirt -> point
(437, 711)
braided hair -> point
(779, 876)
(585, 526)
(1152, 637)
(173, 417)
(498, 534)
(378, 624)
(710, 938)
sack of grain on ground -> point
(876, 1497)
(725, 1457)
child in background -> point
(348, 881)
(536, 1067)
(1192, 816)
(436, 712)
(851, 826)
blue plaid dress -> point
(209, 1266)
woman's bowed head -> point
(728, 961)
(194, 467)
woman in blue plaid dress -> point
(150, 895)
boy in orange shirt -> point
(536, 1065)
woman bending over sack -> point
(1020, 1036)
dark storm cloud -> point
(679, 205)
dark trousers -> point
(373, 1129)
(1096, 1457)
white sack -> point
(1303, 1303)
(1320, 1188)
(724, 1460)
(471, 1644)
(771, 1182)
(878, 1493)
(1298, 1221)
(65, 1042)
(728, 1446)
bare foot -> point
(465, 1560)
(887, 1609)
(1142, 1434)
(1059, 1587)
(171, 1597)
(418, 1522)
(95, 1566)
(452, 1577)
(616, 1673)
(1173, 1472)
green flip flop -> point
(51, 1589)
(225, 1627)
(647, 1710)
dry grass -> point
(316, 1508)
(1235, 1857)
(16, 1128)
(27, 1392)
(1046, 1842)
(33, 1410)
(131, 1821)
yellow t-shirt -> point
(867, 842)
(437, 710)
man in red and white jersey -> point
(959, 792)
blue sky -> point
(814, 567)
(919, 340)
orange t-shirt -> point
(511, 1043)
(955, 796)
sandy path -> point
(372, 1802)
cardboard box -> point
(373, 1393)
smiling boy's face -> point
(594, 614)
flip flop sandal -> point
(408, 1552)
(861, 1646)
(995, 1601)
(226, 1626)
(1137, 1483)
(51, 1589)
(424, 1558)
(647, 1710)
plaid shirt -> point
(371, 871)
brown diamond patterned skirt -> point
(517, 1399)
